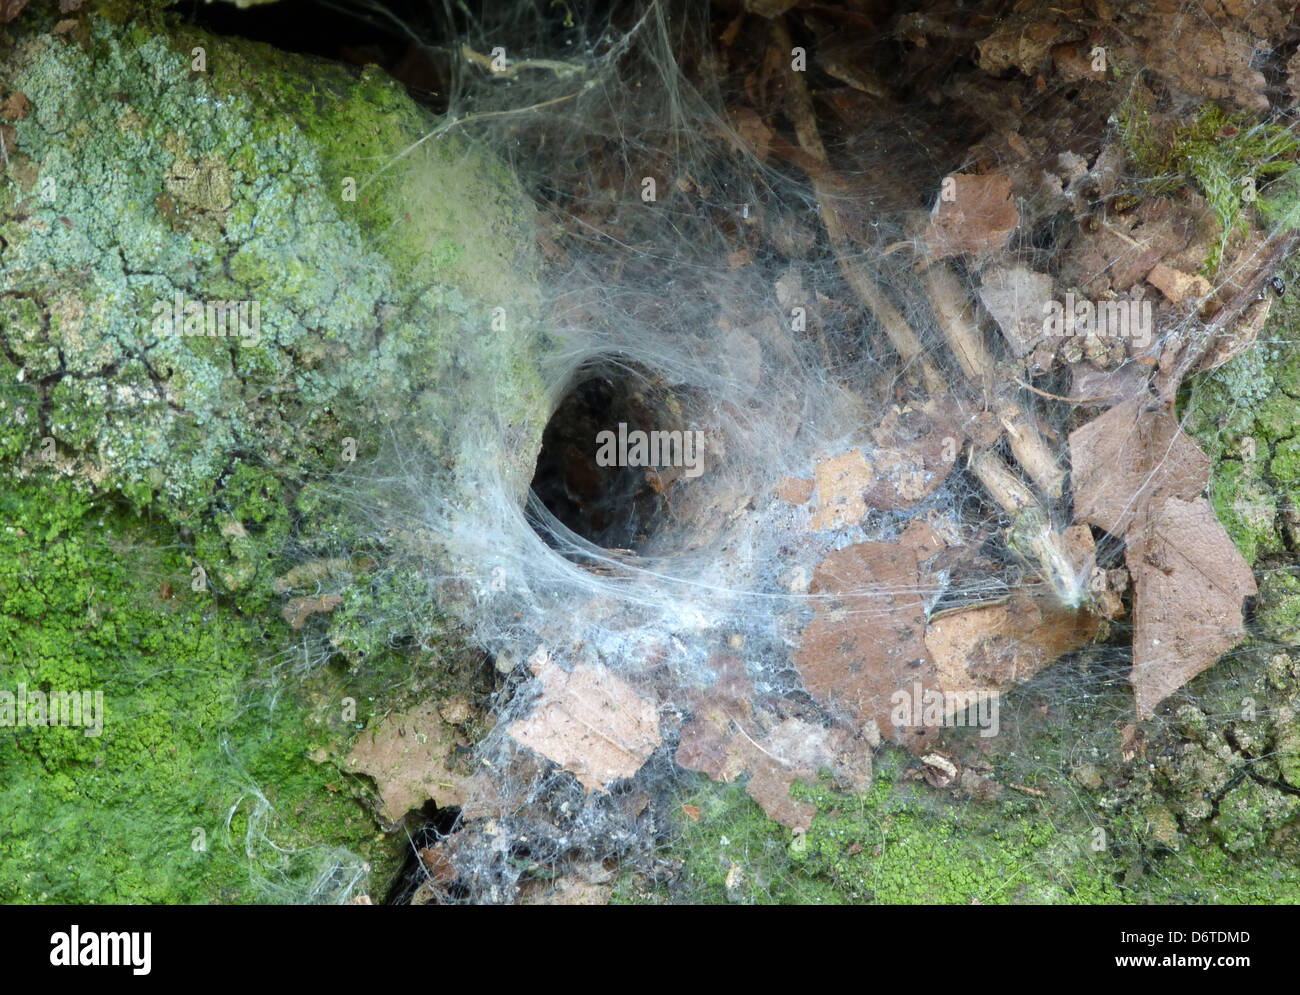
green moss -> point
(193, 778)
(1172, 825)
(897, 844)
(1288, 749)
(903, 843)
(1278, 608)
(1230, 156)
(1275, 416)
(1246, 506)
(1285, 465)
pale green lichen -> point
(1279, 607)
(376, 310)
(1246, 507)
(1245, 419)
(1249, 812)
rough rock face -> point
(224, 268)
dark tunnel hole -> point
(618, 506)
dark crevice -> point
(348, 31)
(437, 826)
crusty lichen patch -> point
(140, 188)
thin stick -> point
(1058, 397)
(1035, 792)
(897, 329)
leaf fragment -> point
(1189, 582)
(727, 736)
(589, 721)
(409, 755)
(975, 214)
(1132, 456)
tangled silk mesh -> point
(708, 272)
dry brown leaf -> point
(312, 574)
(1293, 76)
(1176, 285)
(1211, 57)
(753, 131)
(1021, 43)
(565, 891)
(1137, 475)
(1107, 388)
(1016, 298)
(1074, 63)
(798, 750)
(841, 481)
(726, 738)
(794, 490)
(1189, 582)
(298, 610)
(589, 721)
(10, 9)
(975, 214)
(1131, 457)
(867, 639)
(920, 536)
(903, 480)
(992, 647)
(409, 756)
(916, 449)
(1241, 337)
(440, 866)
(16, 107)
(708, 742)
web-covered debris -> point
(866, 333)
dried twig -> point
(1031, 535)
(562, 70)
(956, 317)
(1031, 532)
(895, 326)
(1033, 792)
